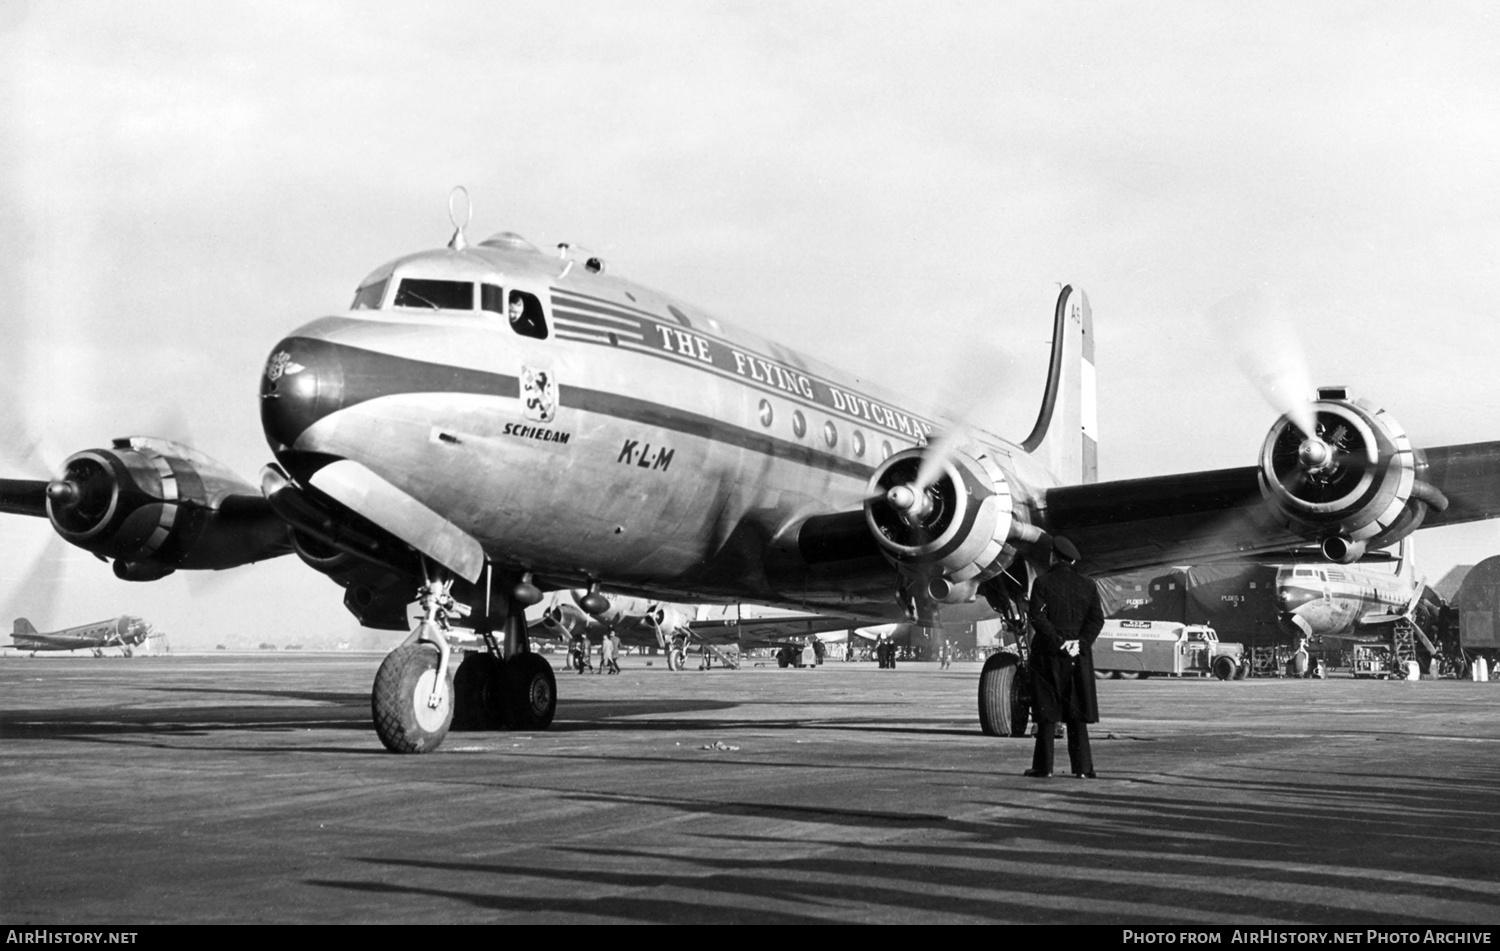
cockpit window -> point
(523, 310)
(435, 295)
(369, 296)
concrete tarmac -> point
(252, 788)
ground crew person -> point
(1066, 616)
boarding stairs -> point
(723, 658)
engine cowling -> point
(1353, 484)
(153, 506)
(948, 537)
(665, 621)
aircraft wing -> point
(766, 631)
(1162, 520)
(1203, 516)
(1469, 476)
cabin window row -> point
(767, 416)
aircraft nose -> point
(1289, 599)
(303, 382)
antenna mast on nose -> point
(458, 242)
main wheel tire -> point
(403, 720)
(1104, 674)
(531, 692)
(676, 658)
(1224, 667)
(479, 693)
(1002, 708)
(1129, 674)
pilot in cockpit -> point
(523, 319)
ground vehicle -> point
(805, 655)
(1127, 648)
(1373, 661)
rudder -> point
(23, 626)
(1065, 438)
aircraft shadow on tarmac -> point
(621, 715)
(1087, 854)
(335, 711)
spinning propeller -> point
(917, 498)
(1262, 334)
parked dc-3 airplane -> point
(487, 422)
(124, 632)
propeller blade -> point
(969, 392)
(37, 595)
(1268, 349)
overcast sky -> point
(893, 188)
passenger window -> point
(435, 295)
(523, 310)
(370, 295)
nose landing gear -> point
(418, 696)
(677, 654)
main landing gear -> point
(1004, 697)
(421, 691)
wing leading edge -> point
(1203, 516)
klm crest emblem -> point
(539, 393)
(281, 365)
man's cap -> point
(1064, 548)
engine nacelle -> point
(1352, 484)
(665, 621)
(948, 537)
(154, 506)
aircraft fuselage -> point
(640, 442)
(121, 631)
(1334, 601)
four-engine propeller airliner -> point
(1332, 605)
(487, 422)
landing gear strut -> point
(418, 695)
(677, 654)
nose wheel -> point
(412, 706)
(419, 696)
(677, 654)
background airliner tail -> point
(1065, 437)
(1406, 560)
(23, 626)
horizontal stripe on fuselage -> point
(583, 319)
(372, 375)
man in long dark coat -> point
(1066, 616)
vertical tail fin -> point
(1065, 437)
(23, 626)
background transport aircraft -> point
(1292, 596)
(1331, 601)
(487, 422)
(675, 629)
(125, 632)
